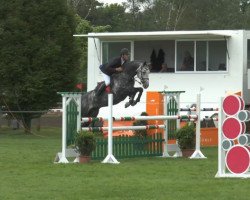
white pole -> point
(78, 101)
(221, 153)
(63, 158)
(110, 158)
(79, 108)
(165, 146)
(198, 154)
(178, 122)
(110, 125)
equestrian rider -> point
(116, 65)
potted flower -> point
(85, 144)
(186, 139)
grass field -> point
(27, 172)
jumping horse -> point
(122, 86)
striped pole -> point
(118, 128)
(156, 117)
(202, 109)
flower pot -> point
(84, 159)
(187, 152)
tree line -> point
(161, 15)
(39, 55)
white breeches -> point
(106, 79)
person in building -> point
(114, 66)
(188, 62)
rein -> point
(139, 70)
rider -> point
(116, 65)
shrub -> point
(141, 133)
(85, 143)
(186, 137)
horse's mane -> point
(132, 65)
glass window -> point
(159, 53)
(112, 49)
(201, 56)
(210, 56)
(248, 54)
(185, 56)
(217, 55)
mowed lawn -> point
(27, 171)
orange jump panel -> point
(120, 132)
(209, 137)
(154, 106)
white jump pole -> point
(221, 153)
(198, 154)
(63, 158)
(110, 158)
(165, 147)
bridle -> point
(140, 72)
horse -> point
(122, 85)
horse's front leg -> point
(131, 99)
(140, 90)
(133, 102)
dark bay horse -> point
(122, 85)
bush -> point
(141, 133)
(85, 143)
(186, 137)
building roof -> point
(159, 35)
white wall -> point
(215, 85)
(94, 61)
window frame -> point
(131, 50)
(207, 57)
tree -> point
(214, 14)
(84, 27)
(38, 56)
(85, 8)
(113, 15)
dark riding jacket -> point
(109, 68)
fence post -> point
(63, 158)
(110, 158)
(198, 153)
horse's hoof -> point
(127, 104)
(133, 104)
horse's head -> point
(143, 74)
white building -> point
(220, 62)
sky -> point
(111, 1)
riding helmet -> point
(124, 51)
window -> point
(201, 56)
(112, 49)
(248, 54)
(185, 56)
(159, 53)
(217, 56)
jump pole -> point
(63, 159)
(165, 146)
(110, 157)
(197, 153)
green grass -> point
(27, 172)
